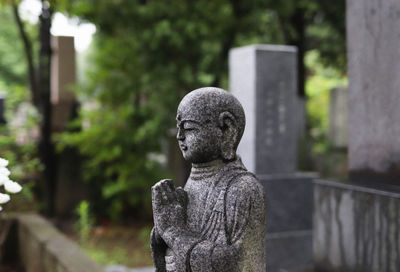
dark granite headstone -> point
(264, 79)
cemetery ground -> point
(109, 243)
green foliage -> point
(147, 57)
(323, 24)
(110, 257)
(144, 235)
(16, 145)
(24, 164)
(12, 62)
(328, 33)
(85, 221)
(119, 244)
(321, 80)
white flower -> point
(3, 179)
(4, 198)
(9, 185)
(4, 171)
(3, 162)
(12, 187)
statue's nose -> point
(180, 135)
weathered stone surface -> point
(42, 248)
(289, 251)
(355, 228)
(264, 79)
(373, 36)
(289, 201)
(338, 117)
(217, 222)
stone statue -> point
(217, 222)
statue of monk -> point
(216, 223)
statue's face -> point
(199, 140)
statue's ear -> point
(228, 125)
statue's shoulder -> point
(244, 182)
(244, 192)
(242, 178)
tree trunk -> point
(46, 147)
(239, 11)
(29, 56)
(297, 20)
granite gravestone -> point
(357, 223)
(63, 77)
(264, 79)
(217, 222)
(373, 29)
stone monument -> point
(70, 189)
(216, 223)
(338, 127)
(264, 79)
(62, 78)
(357, 223)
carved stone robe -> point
(226, 213)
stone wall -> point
(39, 247)
(355, 228)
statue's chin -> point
(186, 156)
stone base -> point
(289, 251)
(356, 228)
(289, 220)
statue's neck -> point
(207, 169)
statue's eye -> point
(188, 126)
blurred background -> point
(89, 91)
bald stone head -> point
(210, 124)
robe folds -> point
(225, 223)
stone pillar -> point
(70, 189)
(357, 223)
(338, 116)
(373, 30)
(264, 79)
(63, 76)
